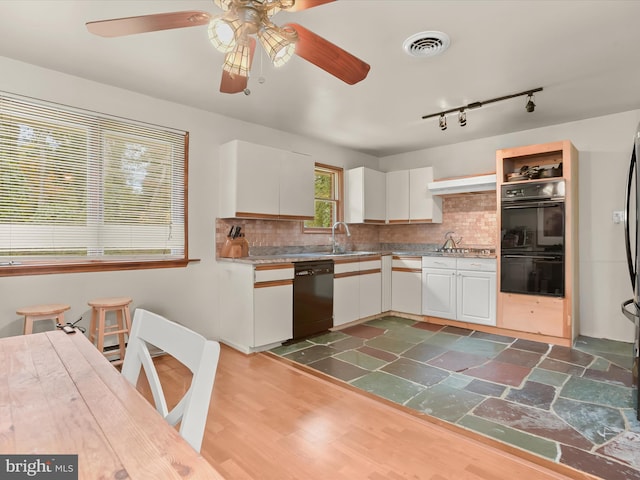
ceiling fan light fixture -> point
(222, 33)
(223, 4)
(279, 43)
(238, 61)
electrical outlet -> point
(618, 216)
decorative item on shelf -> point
(551, 172)
(531, 173)
(235, 245)
(516, 177)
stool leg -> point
(121, 327)
(101, 315)
(127, 317)
(28, 325)
(59, 319)
(93, 325)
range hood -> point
(458, 185)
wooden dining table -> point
(59, 395)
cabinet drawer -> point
(438, 262)
(370, 265)
(345, 266)
(407, 262)
(271, 272)
(477, 264)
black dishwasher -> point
(312, 298)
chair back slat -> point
(191, 349)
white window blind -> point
(79, 186)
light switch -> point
(618, 216)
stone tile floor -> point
(575, 406)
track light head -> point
(462, 118)
(531, 106)
(443, 122)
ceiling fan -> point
(234, 32)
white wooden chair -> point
(190, 348)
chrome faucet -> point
(333, 235)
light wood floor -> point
(269, 420)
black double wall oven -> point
(532, 243)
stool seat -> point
(99, 329)
(34, 313)
(112, 302)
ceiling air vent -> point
(426, 44)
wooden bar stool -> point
(53, 311)
(98, 328)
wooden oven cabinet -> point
(548, 319)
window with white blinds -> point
(79, 187)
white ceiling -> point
(585, 54)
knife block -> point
(235, 248)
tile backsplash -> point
(470, 216)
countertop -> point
(313, 256)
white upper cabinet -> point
(297, 186)
(366, 196)
(263, 182)
(423, 206)
(409, 199)
(398, 196)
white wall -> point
(604, 146)
(187, 295)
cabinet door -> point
(406, 292)
(439, 292)
(386, 283)
(249, 180)
(398, 196)
(370, 294)
(423, 206)
(354, 197)
(272, 314)
(375, 197)
(346, 306)
(476, 297)
(366, 199)
(297, 186)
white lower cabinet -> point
(387, 261)
(462, 289)
(357, 289)
(406, 284)
(346, 295)
(256, 305)
(439, 289)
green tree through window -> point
(327, 198)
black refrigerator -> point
(631, 307)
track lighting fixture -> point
(462, 118)
(462, 115)
(530, 107)
(443, 122)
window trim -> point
(339, 172)
(78, 265)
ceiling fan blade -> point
(305, 4)
(329, 57)
(118, 27)
(237, 83)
